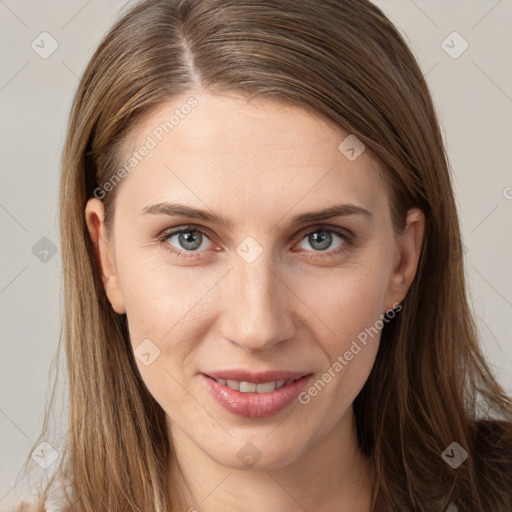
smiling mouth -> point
(252, 387)
(255, 399)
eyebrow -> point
(180, 210)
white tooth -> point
(251, 387)
(233, 384)
(247, 387)
(265, 387)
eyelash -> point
(345, 235)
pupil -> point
(324, 238)
(190, 237)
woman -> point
(264, 288)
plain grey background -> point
(463, 47)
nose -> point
(258, 306)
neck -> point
(332, 475)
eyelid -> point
(167, 233)
(327, 227)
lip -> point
(255, 405)
(256, 377)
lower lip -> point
(255, 405)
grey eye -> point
(322, 239)
(188, 239)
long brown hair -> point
(345, 61)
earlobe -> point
(95, 219)
(408, 255)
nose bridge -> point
(257, 302)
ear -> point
(95, 219)
(407, 256)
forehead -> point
(235, 154)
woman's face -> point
(268, 294)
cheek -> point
(164, 309)
(350, 305)
(169, 305)
(345, 300)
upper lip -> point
(257, 377)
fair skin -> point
(257, 164)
